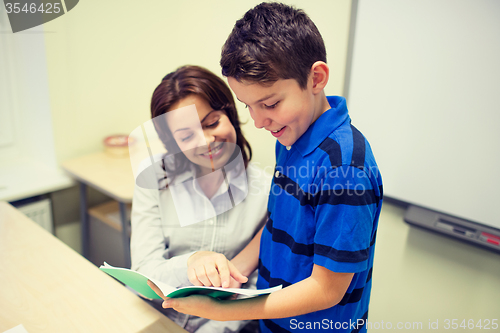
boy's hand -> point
(211, 269)
(196, 305)
(156, 289)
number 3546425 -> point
(485, 324)
(32, 8)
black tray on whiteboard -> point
(467, 231)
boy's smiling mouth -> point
(279, 132)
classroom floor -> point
(424, 281)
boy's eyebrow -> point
(260, 100)
(267, 97)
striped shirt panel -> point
(323, 209)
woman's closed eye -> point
(186, 138)
(213, 124)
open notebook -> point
(138, 282)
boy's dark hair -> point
(272, 41)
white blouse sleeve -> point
(148, 245)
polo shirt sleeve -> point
(345, 210)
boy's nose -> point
(260, 119)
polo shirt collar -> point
(318, 131)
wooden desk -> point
(48, 287)
(110, 175)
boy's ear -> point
(319, 75)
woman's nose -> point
(209, 137)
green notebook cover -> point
(138, 282)
(133, 279)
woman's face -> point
(210, 148)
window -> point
(27, 156)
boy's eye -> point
(271, 106)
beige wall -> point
(106, 57)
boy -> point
(326, 193)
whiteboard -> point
(424, 88)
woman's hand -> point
(212, 269)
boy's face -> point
(284, 109)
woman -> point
(202, 188)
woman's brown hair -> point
(185, 81)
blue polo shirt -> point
(324, 206)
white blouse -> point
(160, 246)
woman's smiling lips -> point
(214, 152)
